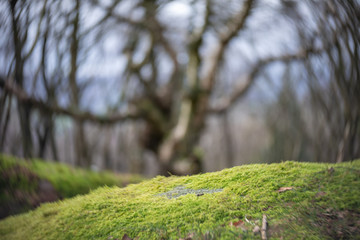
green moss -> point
(139, 210)
(68, 181)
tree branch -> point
(225, 103)
(55, 109)
(233, 29)
(42, 14)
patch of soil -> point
(22, 190)
(340, 224)
(276, 231)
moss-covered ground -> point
(23, 184)
(320, 201)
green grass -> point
(323, 204)
(67, 180)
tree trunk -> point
(6, 118)
(52, 140)
(228, 140)
(23, 110)
(81, 151)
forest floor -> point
(289, 200)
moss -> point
(139, 210)
(68, 181)
(24, 185)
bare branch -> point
(197, 36)
(55, 109)
(38, 31)
(236, 25)
(109, 13)
(137, 66)
(225, 103)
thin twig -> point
(263, 228)
(247, 220)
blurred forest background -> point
(181, 87)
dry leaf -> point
(284, 189)
(236, 224)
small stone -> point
(256, 229)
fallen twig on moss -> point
(263, 228)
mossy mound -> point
(26, 184)
(300, 201)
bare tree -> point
(171, 72)
(329, 114)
